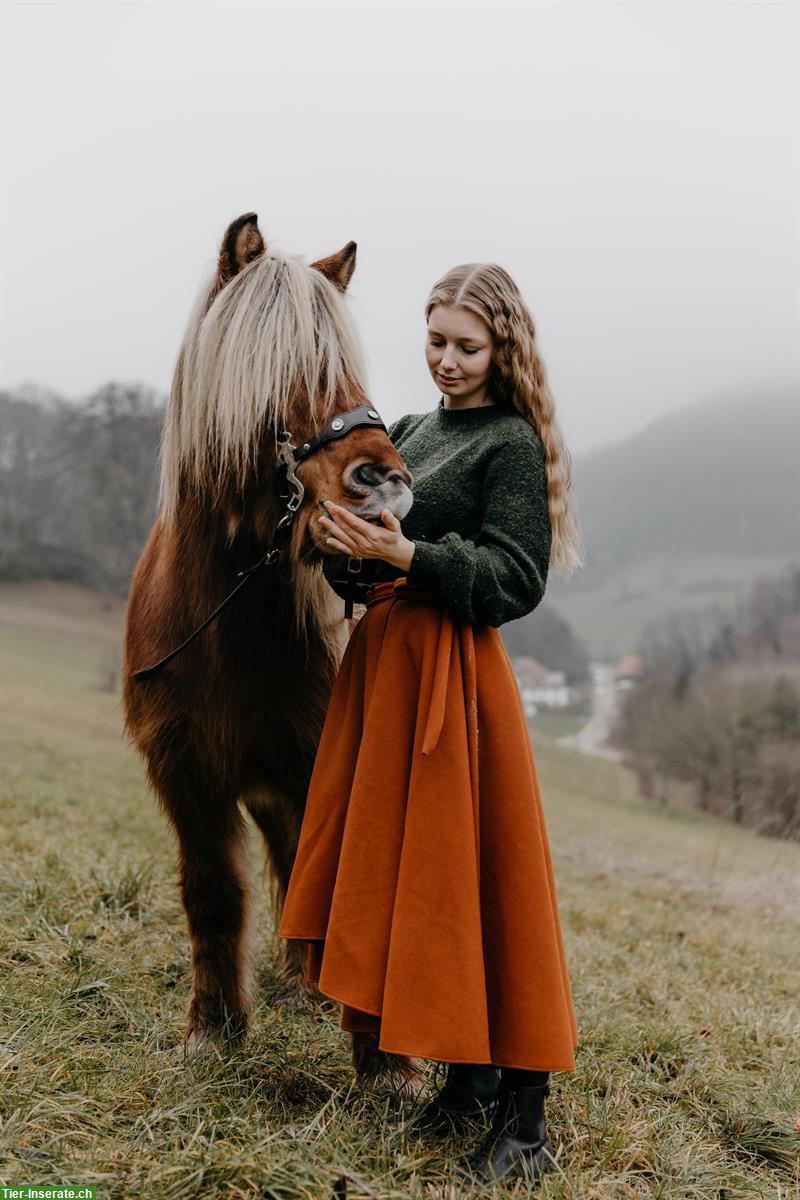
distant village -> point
(542, 688)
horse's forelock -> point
(274, 333)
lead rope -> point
(272, 556)
(286, 459)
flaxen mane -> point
(275, 332)
(276, 329)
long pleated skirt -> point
(423, 881)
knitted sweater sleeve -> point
(500, 574)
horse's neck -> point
(207, 560)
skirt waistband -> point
(400, 589)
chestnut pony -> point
(234, 721)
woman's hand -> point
(363, 540)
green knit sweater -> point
(480, 520)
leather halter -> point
(289, 459)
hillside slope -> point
(681, 936)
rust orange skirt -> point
(423, 880)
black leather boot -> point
(469, 1093)
(517, 1145)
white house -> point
(540, 687)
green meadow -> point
(682, 939)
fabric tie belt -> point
(401, 589)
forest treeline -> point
(78, 489)
(720, 710)
(77, 484)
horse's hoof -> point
(207, 1038)
(202, 1043)
(297, 994)
(397, 1082)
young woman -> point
(423, 880)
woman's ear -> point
(497, 375)
(501, 359)
(240, 245)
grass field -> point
(554, 724)
(682, 939)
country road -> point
(591, 737)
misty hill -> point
(686, 514)
(721, 477)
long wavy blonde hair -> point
(519, 381)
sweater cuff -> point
(424, 567)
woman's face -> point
(458, 351)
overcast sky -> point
(634, 166)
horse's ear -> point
(339, 267)
(241, 244)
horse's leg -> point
(279, 816)
(386, 1074)
(215, 893)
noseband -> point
(289, 459)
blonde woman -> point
(423, 881)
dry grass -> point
(682, 941)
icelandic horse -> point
(235, 719)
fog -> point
(634, 166)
